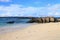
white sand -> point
(48, 31)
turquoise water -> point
(2, 24)
(21, 24)
(16, 20)
(3, 21)
(17, 25)
(4, 28)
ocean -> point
(16, 20)
(19, 23)
(4, 21)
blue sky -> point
(36, 8)
(35, 3)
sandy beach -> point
(46, 31)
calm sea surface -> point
(17, 25)
(3, 21)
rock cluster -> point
(42, 20)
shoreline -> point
(45, 31)
(13, 27)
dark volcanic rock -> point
(10, 22)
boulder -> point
(47, 19)
(43, 19)
(39, 20)
(31, 21)
(35, 20)
(52, 19)
(58, 20)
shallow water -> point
(18, 24)
(13, 27)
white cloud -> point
(20, 10)
(5, 0)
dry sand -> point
(48, 31)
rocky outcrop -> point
(47, 19)
(52, 19)
(58, 20)
(42, 20)
(39, 20)
(35, 20)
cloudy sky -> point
(35, 8)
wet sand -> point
(46, 31)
